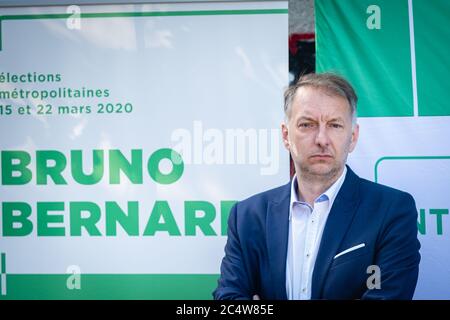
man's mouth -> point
(321, 156)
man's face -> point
(319, 133)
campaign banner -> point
(127, 133)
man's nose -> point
(322, 138)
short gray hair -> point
(329, 82)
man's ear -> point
(285, 136)
(354, 138)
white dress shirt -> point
(306, 226)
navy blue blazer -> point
(383, 218)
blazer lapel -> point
(277, 229)
(339, 219)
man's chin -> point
(323, 169)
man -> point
(327, 234)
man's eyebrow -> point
(305, 118)
(337, 119)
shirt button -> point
(307, 255)
(304, 289)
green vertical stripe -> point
(3, 262)
(432, 48)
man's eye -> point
(306, 125)
(336, 125)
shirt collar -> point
(330, 194)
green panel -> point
(109, 286)
(432, 42)
(376, 61)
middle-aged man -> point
(327, 234)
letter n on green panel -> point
(368, 42)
